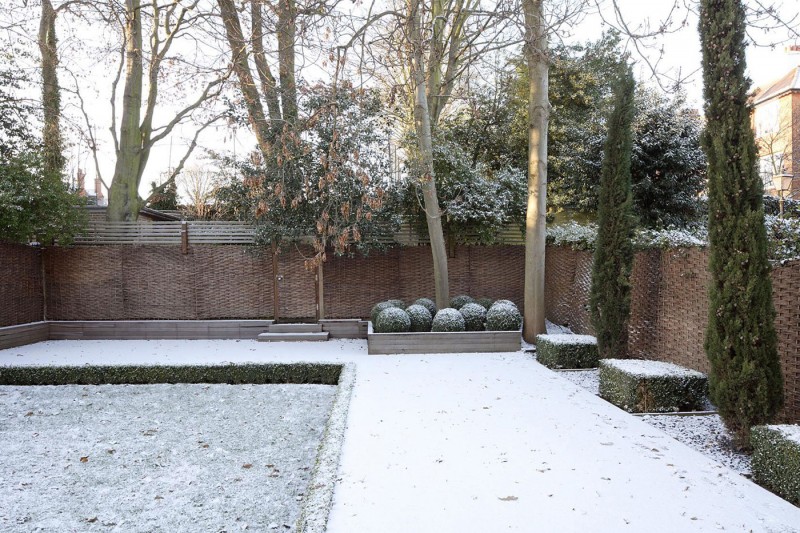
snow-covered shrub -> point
(460, 301)
(651, 386)
(567, 351)
(503, 317)
(428, 304)
(448, 319)
(421, 318)
(776, 460)
(392, 320)
(474, 317)
(504, 302)
(377, 308)
(572, 235)
(784, 238)
(400, 304)
(485, 302)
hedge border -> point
(651, 394)
(233, 374)
(776, 462)
(562, 356)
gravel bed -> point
(704, 433)
(158, 457)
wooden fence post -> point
(275, 279)
(184, 237)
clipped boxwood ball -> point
(485, 302)
(503, 317)
(392, 320)
(448, 319)
(377, 308)
(474, 317)
(421, 318)
(506, 302)
(460, 301)
(428, 304)
(398, 303)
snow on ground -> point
(158, 457)
(704, 433)
(485, 442)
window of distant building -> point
(767, 116)
(769, 166)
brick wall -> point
(669, 308)
(21, 297)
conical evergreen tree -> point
(610, 299)
(745, 380)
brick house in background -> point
(776, 123)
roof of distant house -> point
(788, 82)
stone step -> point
(295, 328)
(293, 337)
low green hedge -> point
(776, 460)
(312, 373)
(567, 351)
(651, 386)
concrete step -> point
(292, 337)
(295, 328)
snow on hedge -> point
(563, 338)
(652, 369)
(790, 432)
(783, 235)
(448, 319)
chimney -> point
(98, 188)
(81, 182)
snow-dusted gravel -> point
(158, 457)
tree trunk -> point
(538, 118)
(252, 99)
(51, 96)
(123, 196)
(422, 126)
(286, 30)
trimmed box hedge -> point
(651, 386)
(567, 351)
(776, 460)
(305, 373)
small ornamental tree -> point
(745, 379)
(610, 299)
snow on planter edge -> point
(317, 505)
(776, 460)
(639, 386)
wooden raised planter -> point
(436, 342)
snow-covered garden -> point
(448, 442)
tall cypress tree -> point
(610, 300)
(745, 380)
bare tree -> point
(137, 134)
(200, 186)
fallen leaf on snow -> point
(247, 465)
(85, 459)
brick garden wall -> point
(669, 308)
(21, 298)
